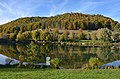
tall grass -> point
(14, 73)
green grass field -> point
(15, 73)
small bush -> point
(94, 62)
(55, 62)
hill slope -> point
(71, 21)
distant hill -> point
(70, 21)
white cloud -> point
(88, 6)
(107, 8)
(57, 8)
(11, 11)
(114, 11)
(76, 6)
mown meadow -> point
(21, 73)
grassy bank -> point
(14, 73)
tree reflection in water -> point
(70, 56)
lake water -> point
(70, 56)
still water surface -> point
(70, 56)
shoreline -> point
(69, 43)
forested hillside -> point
(62, 27)
(70, 21)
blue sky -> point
(13, 9)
